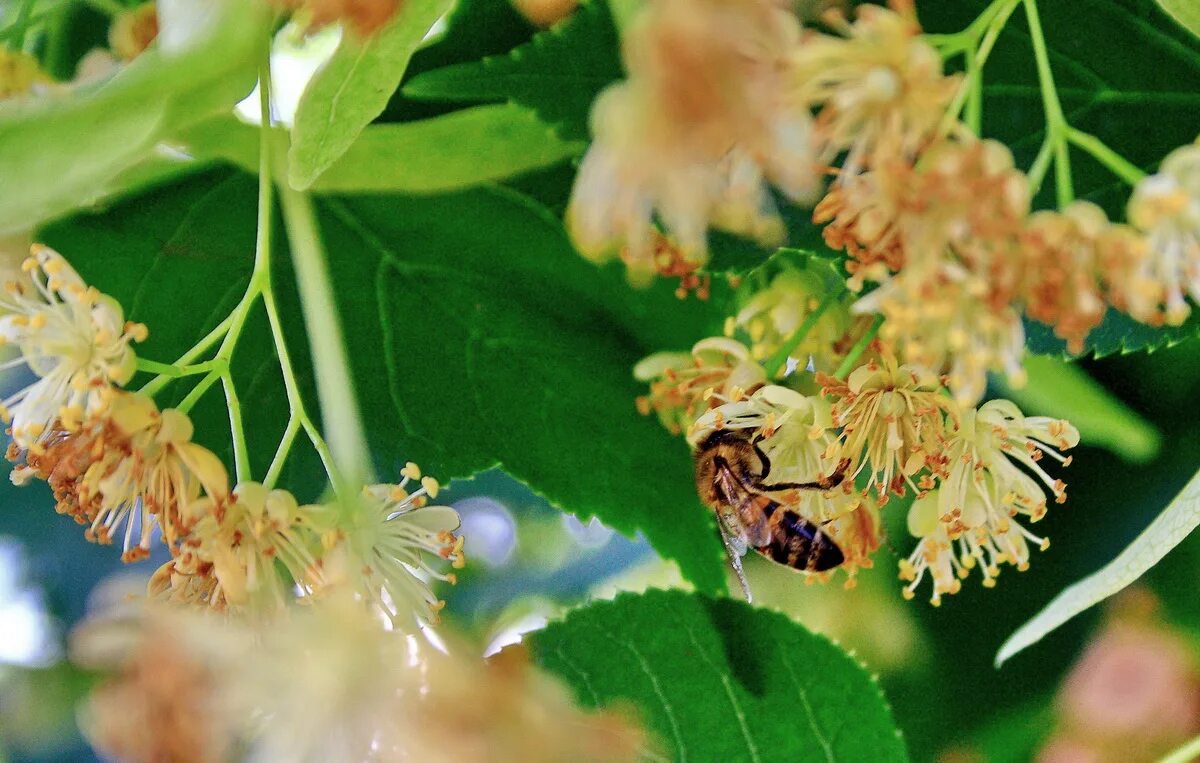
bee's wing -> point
(743, 516)
(798, 543)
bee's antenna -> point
(736, 560)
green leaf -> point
(1174, 524)
(353, 88)
(1064, 390)
(82, 138)
(1186, 12)
(1116, 334)
(1126, 73)
(476, 335)
(453, 151)
(558, 74)
(715, 679)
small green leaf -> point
(558, 74)
(83, 138)
(457, 150)
(1064, 390)
(1169, 529)
(1186, 12)
(353, 88)
(715, 679)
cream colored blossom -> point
(1078, 263)
(993, 481)
(1166, 208)
(384, 544)
(245, 537)
(684, 385)
(962, 202)
(72, 337)
(893, 419)
(127, 472)
(879, 87)
(327, 682)
(774, 313)
(705, 121)
(954, 323)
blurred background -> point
(1119, 683)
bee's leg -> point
(735, 559)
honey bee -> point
(731, 478)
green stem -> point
(241, 456)
(1056, 121)
(281, 453)
(1114, 162)
(851, 359)
(779, 359)
(335, 388)
(160, 381)
(298, 417)
(974, 110)
(1037, 171)
(973, 80)
(175, 371)
(960, 42)
(198, 391)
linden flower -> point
(703, 123)
(384, 541)
(243, 539)
(1166, 208)
(684, 385)
(71, 336)
(881, 89)
(893, 418)
(774, 314)
(972, 519)
(955, 323)
(149, 473)
(133, 468)
(963, 202)
(1077, 262)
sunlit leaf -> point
(353, 88)
(1174, 524)
(64, 148)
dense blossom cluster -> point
(944, 258)
(130, 472)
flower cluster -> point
(130, 472)
(705, 121)
(326, 683)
